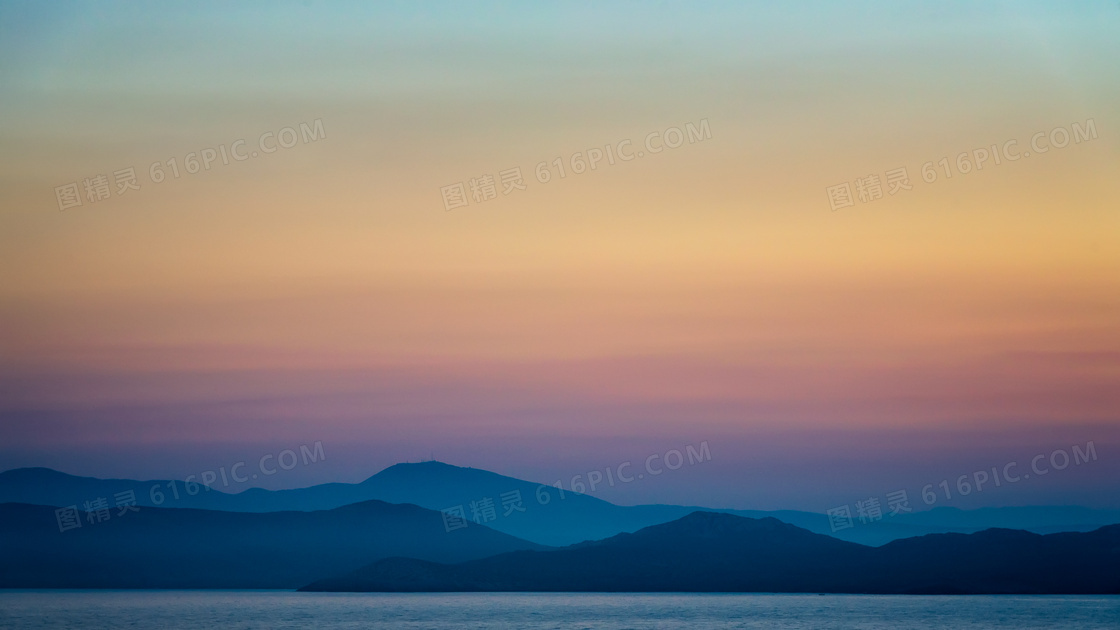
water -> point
(250, 610)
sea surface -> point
(179, 610)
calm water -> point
(245, 610)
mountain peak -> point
(704, 523)
(428, 467)
(35, 472)
(429, 463)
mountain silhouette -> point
(188, 548)
(548, 515)
(713, 552)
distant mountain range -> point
(334, 537)
(713, 552)
(188, 548)
(545, 515)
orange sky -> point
(323, 290)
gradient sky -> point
(705, 293)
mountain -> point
(699, 552)
(1037, 519)
(188, 548)
(1003, 561)
(43, 486)
(713, 552)
(546, 516)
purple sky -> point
(858, 247)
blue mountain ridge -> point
(713, 552)
(191, 548)
(545, 515)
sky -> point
(740, 268)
